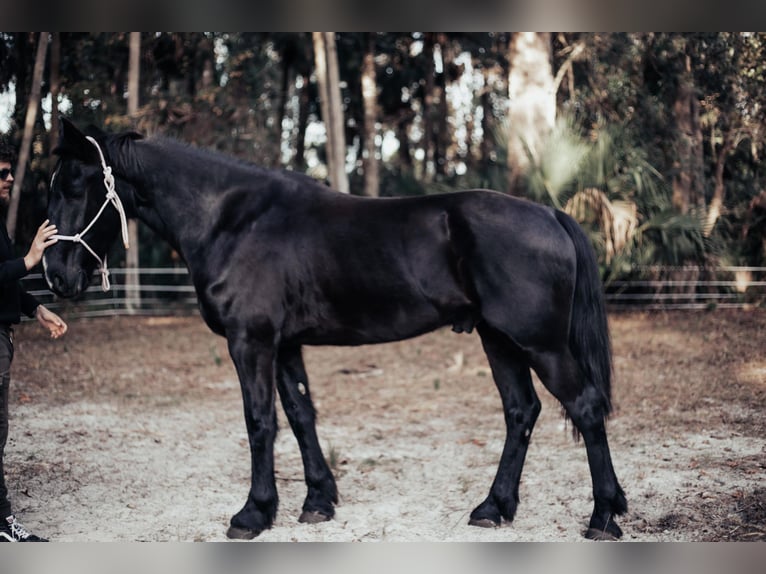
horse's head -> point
(78, 205)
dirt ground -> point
(131, 429)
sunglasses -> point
(4, 173)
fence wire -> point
(690, 287)
(169, 291)
(162, 291)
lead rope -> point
(114, 199)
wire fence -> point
(161, 291)
(169, 291)
(691, 287)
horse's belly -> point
(387, 324)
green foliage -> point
(552, 173)
(665, 238)
(616, 171)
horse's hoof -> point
(483, 523)
(237, 533)
(313, 517)
(602, 535)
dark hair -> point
(7, 151)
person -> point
(14, 300)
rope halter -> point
(114, 199)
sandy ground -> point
(130, 429)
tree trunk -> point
(443, 140)
(303, 69)
(284, 95)
(326, 59)
(532, 110)
(55, 79)
(29, 125)
(403, 122)
(303, 122)
(688, 181)
(487, 126)
(336, 107)
(429, 167)
(370, 98)
(24, 46)
(320, 63)
(132, 278)
(716, 203)
(134, 71)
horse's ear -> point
(72, 142)
(93, 131)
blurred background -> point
(654, 142)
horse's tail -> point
(589, 339)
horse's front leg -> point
(293, 386)
(256, 365)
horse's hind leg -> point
(521, 408)
(293, 387)
(587, 408)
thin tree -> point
(370, 98)
(55, 88)
(429, 166)
(688, 181)
(532, 100)
(29, 125)
(443, 138)
(326, 61)
(303, 69)
(132, 278)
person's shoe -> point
(11, 530)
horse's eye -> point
(68, 180)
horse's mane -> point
(187, 151)
(185, 156)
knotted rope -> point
(114, 199)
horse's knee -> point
(303, 412)
(588, 410)
(521, 420)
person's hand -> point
(51, 321)
(43, 239)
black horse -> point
(279, 261)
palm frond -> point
(616, 221)
(554, 167)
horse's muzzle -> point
(65, 281)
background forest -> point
(653, 141)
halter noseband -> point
(114, 199)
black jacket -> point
(14, 300)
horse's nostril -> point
(58, 283)
(83, 276)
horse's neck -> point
(173, 210)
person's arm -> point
(15, 269)
(43, 239)
(31, 307)
(48, 319)
(28, 302)
(12, 270)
